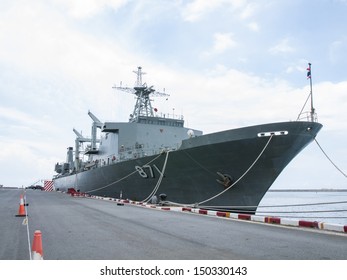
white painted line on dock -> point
(247, 217)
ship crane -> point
(79, 139)
(96, 124)
(143, 106)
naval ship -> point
(154, 158)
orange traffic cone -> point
(37, 252)
(21, 210)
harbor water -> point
(329, 206)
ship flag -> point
(309, 71)
(48, 186)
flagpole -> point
(311, 93)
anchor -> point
(225, 180)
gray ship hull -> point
(250, 158)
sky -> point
(225, 63)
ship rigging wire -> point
(303, 107)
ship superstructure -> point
(138, 138)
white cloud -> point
(221, 43)
(42, 40)
(198, 8)
(282, 47)
(297, 66)
(224, 98)
(248, 10)
(23, 163)
(330, 102)
(88, 8)
(11, 115)
(58, 59)
(253, 26)
(29, 144)
(337, 51)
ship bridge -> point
(161, 121)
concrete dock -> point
(78, 228)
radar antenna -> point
(143, 106)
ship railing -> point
(128, 154)
(170, 116)
(131, 154)
(308, 116)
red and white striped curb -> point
(247, 217)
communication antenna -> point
(143, 106)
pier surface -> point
(82, 229)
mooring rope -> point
(270, 206)
(305, 211)
(121, 179)
(159, 180)
(344, 174)
(233, 184)
(245, 207)
(279, 213)
(243, 175)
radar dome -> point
(190, 133)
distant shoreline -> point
(308, 190)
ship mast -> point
(309, 76)
(143, 106)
